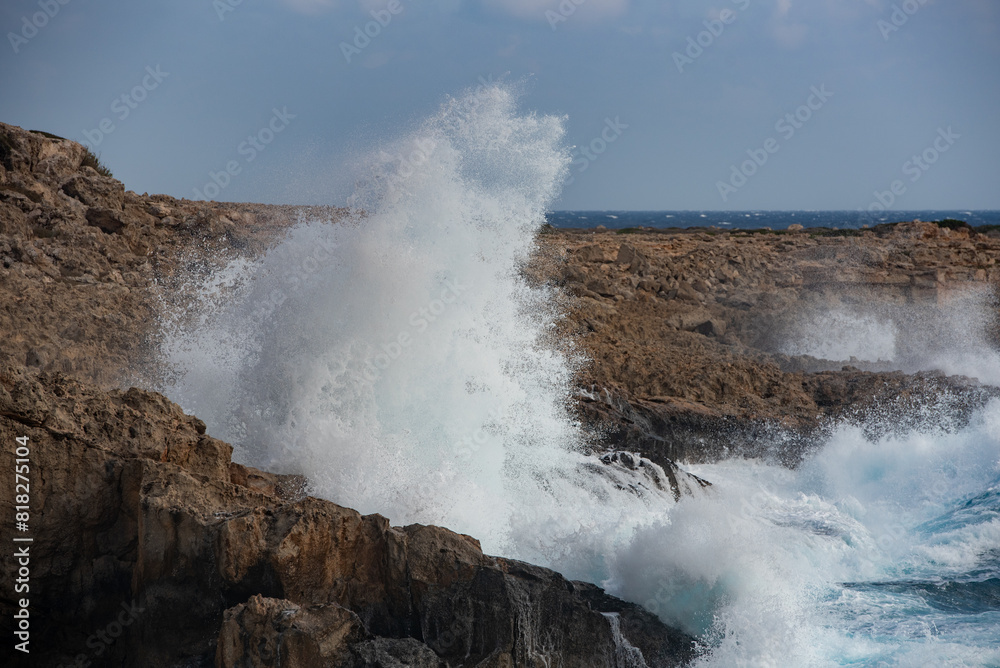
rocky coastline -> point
(151, 547)
(683, 331)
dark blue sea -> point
(776, 220)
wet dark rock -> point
(663, 475)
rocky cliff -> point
(87, 266)
(149, 546)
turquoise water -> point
(873, 553)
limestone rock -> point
(264, 632)
(632, 260)
(95, 191)
(136, 504)
(107, 220)
(699, 371)
(59, 274)
(592, 253)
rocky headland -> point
(152, 548)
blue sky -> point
(890, 90)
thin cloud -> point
(312, 7)
(785, 31)
(534, 10)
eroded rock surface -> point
(686, 330)
(85, 264)
(134, 504)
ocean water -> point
(400, 362)
(746, 220)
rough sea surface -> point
(746, 220)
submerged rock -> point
(665, 476)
